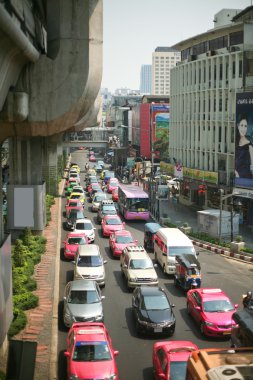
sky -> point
(132, 29)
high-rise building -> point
(163, 60)
(211, 91)
(146, 79)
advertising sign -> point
(162, 121)
(244, 140)
(159, 115)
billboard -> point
(162, 121)
(244, 140)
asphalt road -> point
(135, 353)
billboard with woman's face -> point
(244, 140)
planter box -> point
(186, 230)
(236, 247)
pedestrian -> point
(243, 150)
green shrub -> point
(171, 225)
(18, 323)
(19, 254)
(49, 202)
(25, 301)
(2, 375)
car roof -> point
(83, 285)
(76, 234)
(175, 348)
(116, 216)
(151, 290)
(123, 232)
(152, 227)
(136, 254)
(211, 293)
(84, 220)
(89, 331)
(89, 250)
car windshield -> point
(79, 190)
(75, 204)
(114, 183)
(89, 261)
(124, 239)
(78, 214)
(91, 352)
(76, 196)
(83, 297)
(177, 251)
(141, 264)
(84, 226)
(158, 302)
(178, 370)
(113, 222)
(99, 198)
(77, 240)
(217, 306)
(93, 180)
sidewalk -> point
(179, 214)
(42, 326)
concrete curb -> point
(222, 251)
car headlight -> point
(133, 278)
(111, 377)
(68, 251)
(209, 323)
(98, 317)
(141, 322)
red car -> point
(90, 354)
(72, 243)
(170, 359)
(120, 240)
(112, 184)
(111, 223)
(212, 310)
(73, 204)
(115, 195)
(92, 158)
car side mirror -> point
(198, 308)
(102, 297)
(236, 305)
(116, 353)
(67, 354)
(155, 265)
(173, 305)
(124, 266)
(161, 375)
(105, 261)
(64, 298)
(94, 228)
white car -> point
(137, 267)
(85, 226)
(97, 199)
(89, 264)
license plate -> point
(226, 332)
(158, 329)
(138, 217)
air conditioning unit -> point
(210, 53)
(192, 57)
(232, 49)
(230, 372)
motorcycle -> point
(247, 301)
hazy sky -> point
(134, 28)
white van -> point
(169, 243)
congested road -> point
(135, 353)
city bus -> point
(133, 202)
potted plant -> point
(237, 244)
(185, 228)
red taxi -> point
(120, 240)
(212, 310)
(112, 184)
(170, 359)
(90, 354)
(72, 243)
(115, 195)
(111, 223)
(75, 204)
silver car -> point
(82, 302)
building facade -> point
(163, 60)
(146, 79)
(215, 67)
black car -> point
(72, 218)
(105, 209)
(152, 311)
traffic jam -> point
(98, 207)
